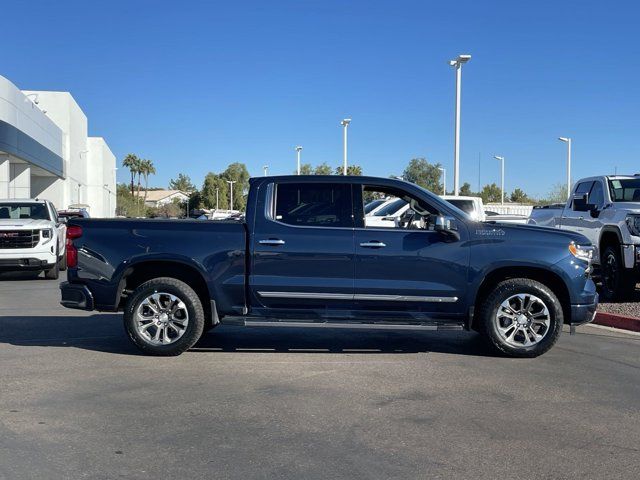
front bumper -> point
(583, 313)
(27, 259)
(77, 296)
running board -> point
(249, 322)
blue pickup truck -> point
(304, 255)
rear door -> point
(303, 249)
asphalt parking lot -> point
(79, 401)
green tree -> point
(213, 182)
(465, 190)
(322, 169)
(518, 196)
(423, 173)
(490, 193)
(305, 169)
(146, 168)
(238, 173)
(182, 183)
(132, 162)
(355, 170)
(557, 194)
(126, 204)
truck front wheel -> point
(521, 317)
(617, 284)
(164, 317)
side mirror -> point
(62, 220)
(581, 202)
(446, 226)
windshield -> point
(464, 205)
(391, 208)
(24, 211)
(625, 189)
(371, 205)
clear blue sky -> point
(197, 85)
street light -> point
(568, 142)
(231, 182)
(444, 180)
(345, 123)
(265, 168)
(502, 179)
(457, 63)
(298, 150)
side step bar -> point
(250, 322)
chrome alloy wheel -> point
(161, 318)
(522, 320)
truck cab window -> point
(400, 210)
(596, 197)
(313, 204)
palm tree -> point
(146, 168)
(132, 162)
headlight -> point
(47, 234)
(633, 222)
(580, 251)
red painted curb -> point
(617, 321)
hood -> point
(535, 233)
(23, 224)
(631, 207)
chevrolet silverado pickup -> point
(606, 210)
(304, 255)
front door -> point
(303, 251)
(409, 271)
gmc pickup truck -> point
(606, 210)
(305, 256)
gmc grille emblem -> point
(8, 234)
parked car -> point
(76, 213)
(373, 205)
(32, 237)
(388, 214)
(287, 265)
(606, 210)
(472, 206)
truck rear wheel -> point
(164, 317)
(521, 317)
(617, 284)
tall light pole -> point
(345, 124)
(568, 142)
(457, 63)
(501, 179)
(444, 180)
(217, 191)
(265, 168)
(298, 150)
(231, 182)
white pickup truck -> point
(606, 210)
(31, 237)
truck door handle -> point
(374, 244)
(272, 241)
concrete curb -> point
(617, 321)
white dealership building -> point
(45, 152)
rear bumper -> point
(76, 296)
(584, 313)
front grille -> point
(19, 238)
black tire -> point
(53, 273)
(192, 303)
(507, 289)
(62, 264)
(617, 283)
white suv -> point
(32, 237)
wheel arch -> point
(609, 235)
(144, 270)
(545, 276)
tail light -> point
(73, 232)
